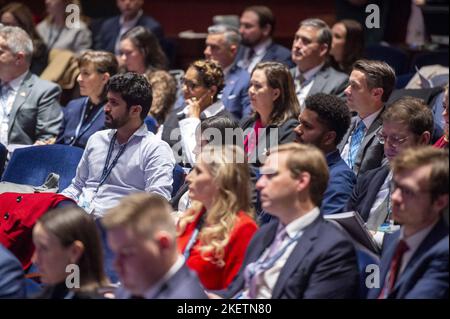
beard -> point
(115, 123)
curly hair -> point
(231, 173)
(209, 74)
(164, 89)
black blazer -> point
(365, 191)
(322, 265)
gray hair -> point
(325, 35)
(17, 41)
(232, 35)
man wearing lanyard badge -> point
(127, 158)
(298, 255)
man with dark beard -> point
(126, 158)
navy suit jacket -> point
(184, 284)
(340, 185)
(426, 274)
(12, 284)
(235, 93)
(322, 265)
(366, 189)
(275, 53)
(110, 30)
(72, 117)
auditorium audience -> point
(85, 116)
(347, 46)
(215, 231)
(275, 110)
(310, 52)
(414, 262)
(408, 122)
(257, 26)
(371, 84)
(29, 108)
(222, 45)
(142, 234)
(68, 255)
(323, 123)
(17, 14)
(57, 33)
(298, 255)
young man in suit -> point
(257, 24)
(371, 84)
(12, 284)
(414, 263)
(310, 53)
(222, 45)
(298, 255)
(142, 233)
(29, 109)
(408, 122)
(323, 123)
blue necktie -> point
(355, 143)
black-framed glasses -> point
(191, 85)
(394, 140)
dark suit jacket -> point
(286, 134)
(365, 191)
(340, 185)
(72, 116)
(371, 152)
(12, 284)
(426, 274)
(328, 81)
(110, 30)
(275, 53)
(235, 93)
(36, 113)
(322, 265)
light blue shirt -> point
(146, 165)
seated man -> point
(142, 234)
(300, 255)
(12, 283)
(29, 108)
(126, 158)
(414, 263)
(408, 122)
(323, 123)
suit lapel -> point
(347, 135)
(304, 245)
(320, 81)
(370, 135)
(21, 97)
(376, 183)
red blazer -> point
(18, 214)
(212, 276)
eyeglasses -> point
(191, 85)
(394, 140)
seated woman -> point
(214, 233)
(347, 45)
(19, 15)
(275, 110)
(203, 82)
(85, 116)
(443, 141)
(68, 237)
(58, 34)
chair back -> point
(31, 165)
(178, 178)
(3, 155)
(395, 57)
(151, 123)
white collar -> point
(416, 239)
(17, 82)
(297, 225)
(308, 75)
(141, 131)
(368, 120)
(211, 110)
(132, 22)
(261, 48)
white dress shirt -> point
(260, 52)
(124, 27)
(270, 276)
(146, 165)
(303, 90)
(7, 103)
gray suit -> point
(328, 81)
(371, 152)
(36, 113)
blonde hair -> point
(232, 177)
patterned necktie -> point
(355, 143)
(4, 94)
(396, 262)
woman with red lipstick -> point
(214, 233)
(275, 110)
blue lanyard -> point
(108, 168)
(193, 239)
(89, 124)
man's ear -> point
(425, 138)
(378, 93)
(266, 30)
(304, 180)
(441, 202)
(233, 49)
(20, 58)
(329, 138)
(323, 50)
(136, 110)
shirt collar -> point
(211, 110)
(416, 239)
(261, 48)
(294, 227)
(130, 23)
(308, 75)
(368, 120)
(17, 82)
(141, 131)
